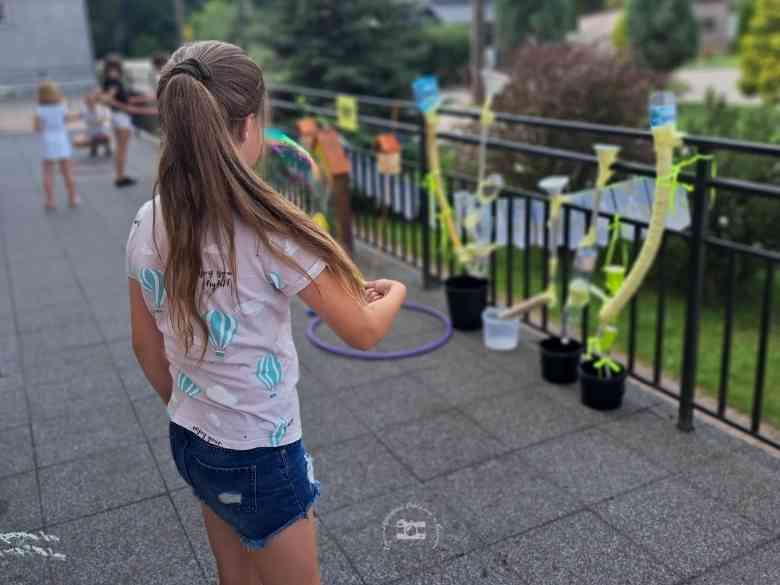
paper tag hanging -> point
(426, 93)
(347, 110)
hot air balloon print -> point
(269, 372)
(280, 430)
(276, 280)
(186, 385)
(153, 282)
(222, 329)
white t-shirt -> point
(55, 141)
(243, 394)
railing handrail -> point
(710, 143)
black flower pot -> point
(560, 361)
(466, 299)
(602, 393)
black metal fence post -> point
(425, 227)
(699, 219)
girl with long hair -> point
(214, 260)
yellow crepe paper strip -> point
(666, 140)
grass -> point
(715, 61)
(745, 335)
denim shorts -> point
(259, 492)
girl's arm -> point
(148, 344)
(73, 117)
(360, 325)
(142, 99)
(37, 124)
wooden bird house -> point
(388, 154)
(331, 156)
(307, 132)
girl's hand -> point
(382, 286)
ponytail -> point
(205, 94)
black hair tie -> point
(193, 68)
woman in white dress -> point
(51, 118)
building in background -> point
(44, 39)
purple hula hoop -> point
(311, 335)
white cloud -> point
(222, 396)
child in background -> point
(117, 95)
(51, 118)
(95, 116)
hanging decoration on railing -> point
(347, 113)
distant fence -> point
(410, 234)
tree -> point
(760, 53)
(360, 46)
(538, 20)
(664, 34)
(135, 28)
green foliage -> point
(591, 6)
(216, 20)
(760, 52)
(746, 9)
(569, 83)
(533, 20)
(664, 33)
(360, 46)
(136, 28)
(446, 52)
(620, 39)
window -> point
(709, 24)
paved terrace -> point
(515, 480)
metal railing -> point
(405, 230)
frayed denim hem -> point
(251, 544)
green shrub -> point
(532, 20)
(571, 83)
(620, 39)
(446, 52)
(760, 52)
(664, 33)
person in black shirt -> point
(123, 105)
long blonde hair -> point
(206, 92)
(49, 93)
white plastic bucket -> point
(499, 334)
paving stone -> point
(660, 441)
(466, 570)
(153, 416)
(326, 421)
(335, 568)
(189, 510)
(477, 383)
(103, 481)
(71, 397)
(136, 385)
(54, 316)
(368, 533)
(744, 485)
(592, 465)
(161, 449)
(522, 418)
(339, 372)
(34, 298)
(14, 408)
(71, 437)
(122, 354)
(503, 497)
(20, 506)
(17, 451)
(61, 367)
(577, 550)
(392, 400)
(43, 343)
(356, 470)
(24, 570)
(755, 568)
(142, 543)
(439, 444)
(688, 531)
